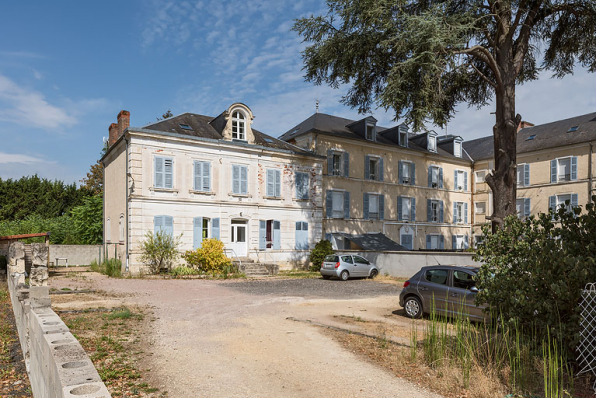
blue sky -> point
(68, 67)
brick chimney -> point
(113, 129)
(523, 124)
(123, 121)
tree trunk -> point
(503, 181)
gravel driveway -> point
(234, 338)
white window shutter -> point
(159, 180)
(198, 174)
(277, 183)
(168, 173)
(206, 176)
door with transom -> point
(238, 238)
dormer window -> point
(238, 126)
(370, 132)
(432, 143)
(403, 137)
(457, 149)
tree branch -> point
(523, 40)
(485, 56)
(483, 76)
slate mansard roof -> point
(199, 126)
(335, 126)
(570, 131)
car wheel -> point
(326, 276)
(413, 307)
(373, 274)
(344, 275)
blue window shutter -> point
(198, 176)
(429, 216)
(215, 228)
(574, 200)
(367, 167)
(466, 213)
(270, 183)
(454, 242)
(277, 174)
(346, 205)
(262, 234)
(400, 215)
(298, 185)
(157, 224)
(441, 242)
(236, 179)
(381, 207)
(430, 177)
(346, 164)
(527, 207)
(365, 207)
(400, 171)
(574, 168)
(168, 169)
(159, 173)
(552, 203)
(197, 230)
(466, 242)
(428, 242)
(381, 170)
(455, 180)
(441, 177)
(168, 225)
(244, 180)
(276, 235)
(206, 176)
(441, 210)
(302, 185)
(465, 181)
(413, 206)
(413, 173)
(329, 162)
(298, 236)
(329, 205)
(526, 174)
(553, 171)
(454, 212)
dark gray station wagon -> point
(451, 287)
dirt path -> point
(233, 339)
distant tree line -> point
(32, 204)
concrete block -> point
(16, 251)
(87, 390)
(39, 296)
(39, 276)
(39, 254)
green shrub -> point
(534, 271)
(183, 271)
(112, 267)
(159, 250)
(321, 250)
(210, 257)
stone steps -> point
(257, 269)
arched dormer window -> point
(238, 126)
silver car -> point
(450, 289)
(345, 266)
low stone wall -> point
(406, 264)
(76, 254)
(56, 363)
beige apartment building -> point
(202, 177)
(555, 165)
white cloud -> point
(6, 158)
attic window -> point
(432, 143)
(572, 129)
(370, 132)
(530, 138)
(185, 127)
(238, 126)
(457, 149)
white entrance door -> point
(239, 241)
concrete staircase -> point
(256, 270)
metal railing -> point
(235, 255)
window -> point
(302, 185)
(478, 240)
(463, 280)
(238, 126)
(301, 235)
(480, 207)
(370, 132)
(164, 172)
(460, 242)
(406, 209)
(460, 213)
(202, 176)
(337, 164)
(337, 198)
(347, 259)
(563, 169)
(435, 242)
(205, 228)
(568, 200)
(530, 138)
(185, 126)
(239, 179)
(457, 149)
(461, 180)
(432, 143)
(360, 260)
(202, 230)
(373, 169)
(434, 210)
(407, 173)
(373, 206)
(274, 183)
(269, 234)
(121, 228)
(163, 223)
(523, 175)
(435, 177)
(407, 241)
(480, 176)
(108, 230)
(438, 276)
(572, 129)
(522, 207)
(403, 137)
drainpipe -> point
(127, 173)
(103, 211)
(590, 175)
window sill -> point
(239, 195)
(272, 197)
(301, 200)
(201, 192)
(171, 190)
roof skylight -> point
(268, 139)
(185, 126)
(530, 138)
(572, 129)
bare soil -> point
(234, 338)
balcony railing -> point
(564, 177)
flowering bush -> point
(210, 257)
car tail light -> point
(406, 284)
(337, 264)
(323, 264)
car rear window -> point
(438, 276)
(332, 259)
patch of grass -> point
(66, 289)
(123, 314)
(299, 274)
